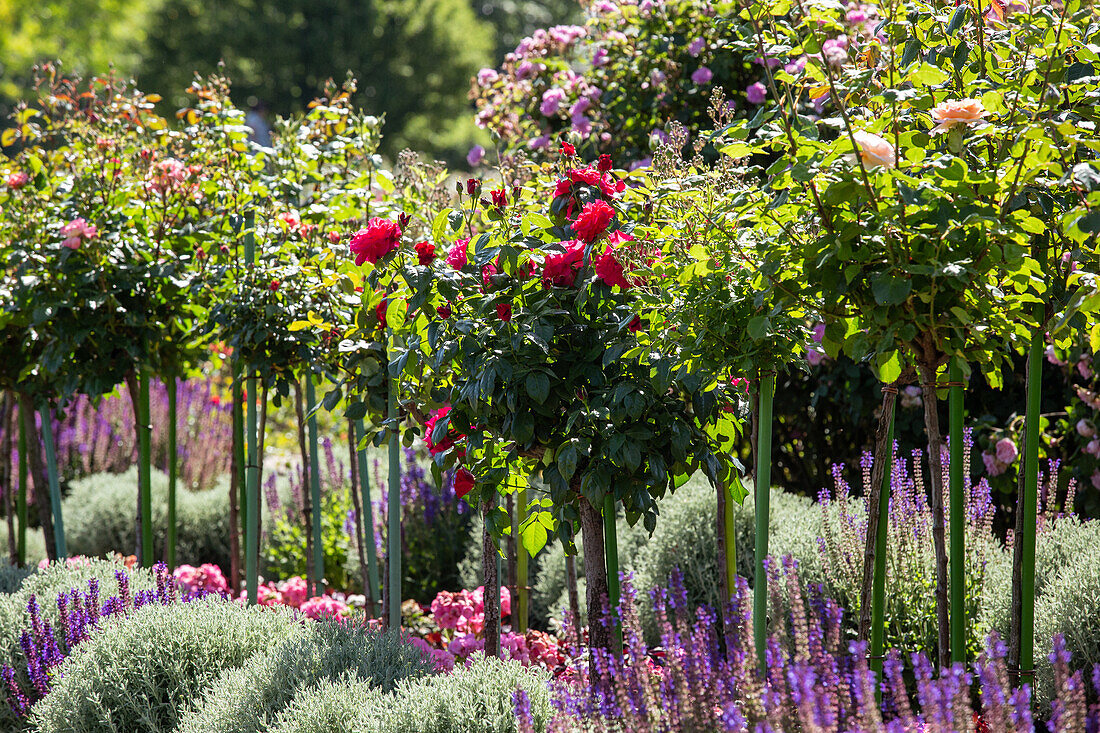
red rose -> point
(334, 237)
(464, 482)
(568, 150)
(381, 237)
(18, 179)
(593, 221)
(448, 440)
(608, 267)
(635, 325)
(504, 311)
(380, 311)
(487, 273)
(560, 269)
(472, 185)
(425, 252)
(444, 311)
(274, 285)
(605, 163)
(500, 198)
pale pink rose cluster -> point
(206, 578)
(464, 611)
(1003, 455)
(77, 231)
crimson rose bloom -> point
(381, 237)
(607, 266)
(568, 150)
(500, 199)
(449, 439)
(504, 311)
(560, 269)
(464, 481)
(605, 163)
(444, 311)
(425, 251)
(593, 221)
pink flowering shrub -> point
(205, 578)
(568, 78)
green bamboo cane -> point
(1030, 506)
(54, 484)
(173, 471)
(21, 497)
(878, 587)
(729, 534)
(393, 509)
(315, 487)
(145, 430)
(368, 524)
(522, 592)
(958, 514)
(763, 498)
(238, 457)
(252, 471)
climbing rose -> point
(381, 237)
(593, 221)
(425, 252)
(560, 269)
(957, 112)
(456, 255)
(874, 150)
(504, 311)
(464, 481)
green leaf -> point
(736, 489)
(759, 326)
(889, 367)
(356, 411)
(533, 536)
(538, 386)
(567, 461)
(456, 220)
(396, 312)
(890, 289)
(299, 325)
(957, 19)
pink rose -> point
(1085, 428)
(321, 607)
(1006, 451)
(378, 239)
(874, 150)
(76, 231)
(814, 356)
(294, 591)
(456, 255)
(957, 112)
(560, 269)
(1093, 447)
(992, 466)
(1096, 479)
(819, 333)
(18, 179)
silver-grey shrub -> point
(249, 699)
(474, 699)
(138, 675)
(99, 518)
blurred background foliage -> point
(413, 58)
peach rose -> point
(874, 150)
(957, 112)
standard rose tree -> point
(927, 209)
(530, 329)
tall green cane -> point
(173, 472)
(611, 550)
(54, 484)
(729, 534)
(252, 471)
(1029, 508)
(763, 499)
(368, 525)
(241, 471)
(958, 514)
(315, 487)
(21, 497)
(878, 586)
(522, 591)
(145, 460)
(393, 506)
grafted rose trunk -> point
(491, 595)
(875, 510)
(939, 521)
(38, 474)
(595, 576)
